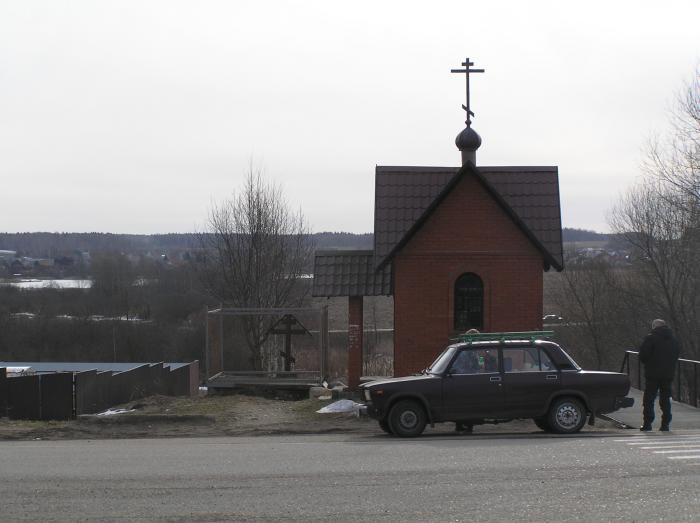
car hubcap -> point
(408, 419)
(568, 416)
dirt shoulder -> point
(229, 415)
(165, 416)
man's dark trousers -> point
(663, 388)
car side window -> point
(475, 361)
(546, 363)
(526, 359)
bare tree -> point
(113, 283)
(660, 219)
(258, 249)
(675, 160)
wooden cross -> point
(467, 64)
(288, 325)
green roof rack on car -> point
(503, 336)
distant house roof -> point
(349, 273)
(406, 196)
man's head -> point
(657, 323)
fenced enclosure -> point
(685, 382)
(276, 347)
(306, 356)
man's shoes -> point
(665, 428)
(645, 428)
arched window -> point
(469, 302)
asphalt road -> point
(532, 477)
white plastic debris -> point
(339, 407)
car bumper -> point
(623, 402)
(369, 409)
(620, 402)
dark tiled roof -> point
(405, 195)
(534, 196)
(349, 273)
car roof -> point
(496, 343)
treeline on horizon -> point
(48, 244)
(51, 244)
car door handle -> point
(552, 377)
(495, 378)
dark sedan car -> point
(495, 381)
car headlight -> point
(367, 395)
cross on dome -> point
(467, 69)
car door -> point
(472, 387)
(529, 380)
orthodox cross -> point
(288, 325)
(467, 64)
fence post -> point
(639, 373)
(628, 363)
(695, 385)
(221, 334)
(678, 387)
(206, 343)
(625, 362)
(324, 343)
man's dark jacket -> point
(659, 353)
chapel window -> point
(469, 302)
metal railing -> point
(503, 336)
(685, 382)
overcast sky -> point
(134, 117)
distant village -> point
(77, 263)
(613, 256)
(51, 255)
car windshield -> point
(442, 361)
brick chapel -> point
(457, 248)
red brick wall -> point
(468, 232)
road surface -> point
(592, 477)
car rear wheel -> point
(566, 415)
(542, 424)
(384, 425)
(407, 419)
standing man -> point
(659, 354)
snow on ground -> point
(112, 412)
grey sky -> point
(135, 116)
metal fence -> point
(288, 344)
(685, 382)
(65, 395)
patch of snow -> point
(112, 412)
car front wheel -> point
(407, 419)
(566, 415)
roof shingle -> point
(404, 194)
(349, 273)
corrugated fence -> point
(64, 395)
